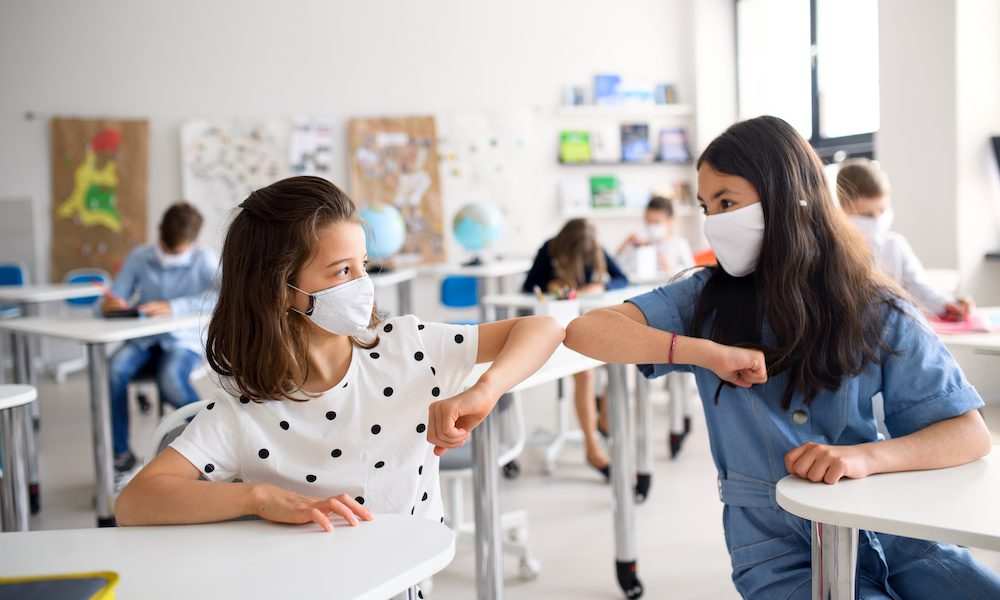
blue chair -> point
(460, 292)
(12, 273)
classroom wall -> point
(172, 61)
(940, 103)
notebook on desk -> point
(975, 323)
(128, 313)
(82, 586)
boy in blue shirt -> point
(172, 277)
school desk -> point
(242, 559)
(955, 505)
(28, 297)
(494, 271)
(979, 355)
(14, 426)
(402, 280)
(96, 333)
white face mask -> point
(656, 232)
(736, 237)
(169, 261)
(344, 309)
(874, 228)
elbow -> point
(977, 435)
(576, 334)
(550, 328)
(123, 509)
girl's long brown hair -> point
(253, 339)
(574, 249)
(815, 282)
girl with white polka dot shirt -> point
(324, 410)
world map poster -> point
(99, 189)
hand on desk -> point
(113, 304)
(155, 308)
(957, 310)
(450, 421)
(283, 506)
(829, 464)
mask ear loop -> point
(312, 301)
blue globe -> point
(385, 231)
(477, 226)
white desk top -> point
(956, 505)
(48, 292)
(16, 395)
(498, 268)
(246, 559)
(563, 363)
(985, 341)
(393, 277)
(587, 301)
(98, 330)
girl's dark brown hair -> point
(574, 249)
(815, 282)
(253, 338)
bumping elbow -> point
(575, 334)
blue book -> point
(607, 89)
(635, 143)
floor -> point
(680, 541)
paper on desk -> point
(975, 323)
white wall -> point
(940, 102)
(169, 61)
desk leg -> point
(486, 497)
(482, 283)
(404, 291)
(15, 423)
(622, 480)
(677, 389)
(643, 446)
(23, 374)
(100, 415)
(834, 562)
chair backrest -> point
(86, 276)
(13, 273)
(171, 426)
(459, 291)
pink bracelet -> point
(673, 344)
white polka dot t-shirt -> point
(366, 437)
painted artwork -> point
(223, 160)
(394, 161)
(99, 189)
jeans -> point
(172, 370)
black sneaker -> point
(125, 462)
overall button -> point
(800, 417)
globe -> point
(385, 230)
(477, 226)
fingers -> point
(818, 471)
(443, 430)
(793, 455)
(320, 519)
(354, 506)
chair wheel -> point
(512, 470)
(529, 568)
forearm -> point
(530, 342)
(947, 443)
(614, 338)
(173, 500)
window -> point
(815, 64)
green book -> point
(605, 191)
(574, 146)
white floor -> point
(681, 548)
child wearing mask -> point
(673, 253)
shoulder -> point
(142, 252)
(206, 256)
(895, 242)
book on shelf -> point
(574, 146)
(607, 89)
(605, 144)
(635, 142)
(674, 146)
(605, 191)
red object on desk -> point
(974, 323)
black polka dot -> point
(436, 392)
(421, 428)
(345, 384)
(375, 355)
(459, 338)
(244, 400)
(387, 328)
(420, 470)
(424, 499)
(380, 464)
(433, 371)
(330, 415)
(336, 453)
(387, 392)
(310, 478)
(210, 406)
(376, 429)
(419, 356)
(420, 595)
(360, 500)
(413, 510)
(284, 425)
(263, 453)
(420, 327)
(442, 519)
(209, 468)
